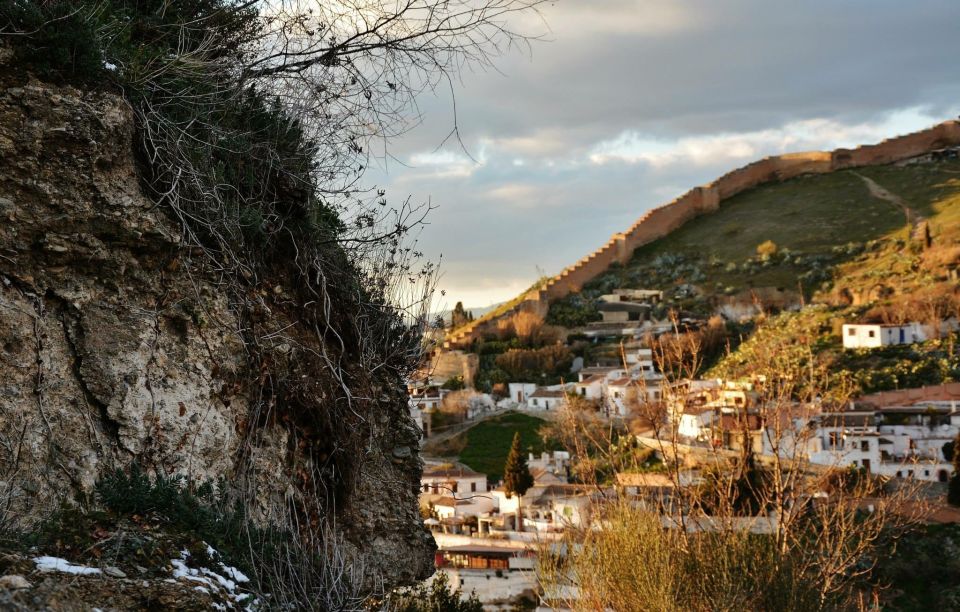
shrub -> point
(435, 597)
(454, 383)
(201, 510)
(767, 248)
(573, 311)
(541, 365)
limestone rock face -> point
(112, 351)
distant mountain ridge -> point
(477, 311)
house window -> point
(583, 390)
(865, 445)
(851, 332)
(899, 474)
(871, 333)
(473, 487)
(535, 402)
(834, 438)
(454, 487)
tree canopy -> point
(517, 478)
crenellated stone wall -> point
(660, 221)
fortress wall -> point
(776, 168)
(660, 221)
(946, 134)
(573, 278)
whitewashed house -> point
(695, 421)
(425, 396)
(869, 335)
(519, 392)
(449, 480)
(606, 371)
(546, 398)
(591, 388)
(901, 442)
(553, 462)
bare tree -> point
(757, 528)
(255, 122)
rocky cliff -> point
(115, 348)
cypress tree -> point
(517, 478)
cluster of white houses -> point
(614, 389)
(912, 441)
(487, 540)
(483, 547)
(475, 525)
(462, 501)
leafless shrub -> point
(760, 528)
(330, 291)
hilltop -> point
(832, 238)
(786, 257)
(818, 204)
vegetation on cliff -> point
(253, 128)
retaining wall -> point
(660, 221)
(908, 397)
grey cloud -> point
(702, 67)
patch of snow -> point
(56, 564)
(211, 580)
(234, 573)
(180, 570)
(230, 571)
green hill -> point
(818, 223)
(850, 244)
(485, 446)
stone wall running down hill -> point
(111, 353)
(659, 222)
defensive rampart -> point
(659, 222)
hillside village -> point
(685, 365)
(229, 378)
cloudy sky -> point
(632, 102)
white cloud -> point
(733, 148)
(480, 292)
(446, 164)
(632, 102)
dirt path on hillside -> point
(879, 192)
